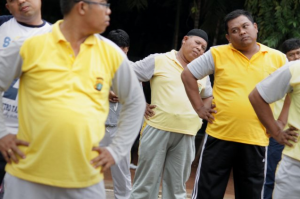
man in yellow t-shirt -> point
(291, 48)
(66, 75)
(285, 80)
(235, 140)
(167, 143)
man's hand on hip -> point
(104, 159)
(9, 148)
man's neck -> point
(74, 35)
(34, 20)
(182, 60)
(249, 52)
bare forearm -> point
(191, 88)
(264, 113)
(208, 102)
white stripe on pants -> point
(195, 190)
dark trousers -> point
(217, 160)
(274, 154)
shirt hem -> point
(290, 156)
(239, 140)
(172, 130)
(49, 182)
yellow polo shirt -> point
(62, 108)
(173, 111)
(235, 77)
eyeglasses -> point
(107, 5)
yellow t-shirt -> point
(235, 77)
(63, 105)
(173, 111)
(294, 111)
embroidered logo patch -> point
(99, 83)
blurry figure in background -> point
(120, 172)
(291, 48)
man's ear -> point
(227, 37)
(81, 8)
(185, 38)
(7, 7)
(255, 26)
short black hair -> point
(198, 32)
(234, 14)
(290, 44)
(67, 5)
(120, 37)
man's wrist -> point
(3, 133)
(276, 132)
(199, 107)
(281, 124)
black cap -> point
(199, 33)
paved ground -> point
(109, 194)
(109, 185)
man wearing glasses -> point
(65, 79)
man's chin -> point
(195, 56)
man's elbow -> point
(254, 97)
(185, 75)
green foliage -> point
(194, 9)
(211, 15)
(277, 20)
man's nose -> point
(21, 1)
(243, 31)
(200, 49)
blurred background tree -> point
(159, 25)
(277, 20)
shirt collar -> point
(262, 48)
(32, 26)
(58, 36)
(172, 55)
